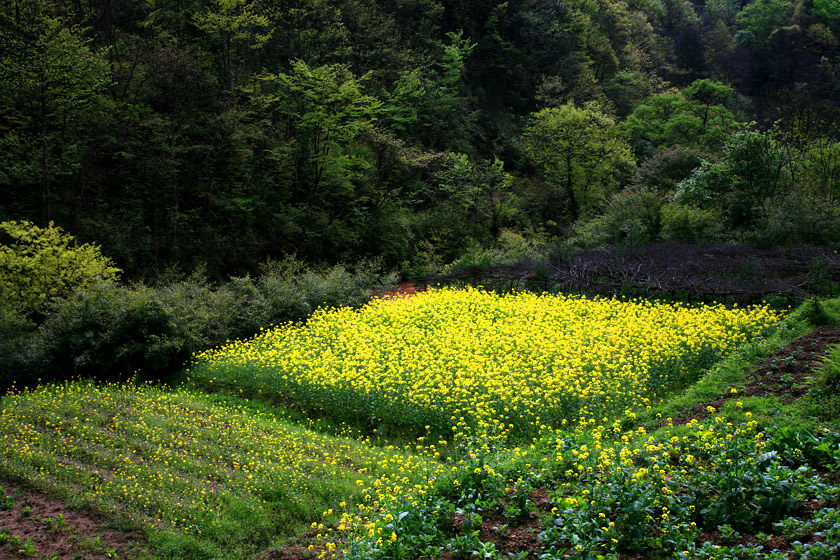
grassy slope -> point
(140, 452)
(202, 478)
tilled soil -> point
(783, 375)
(85, 535)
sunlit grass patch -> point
(498, 363)
(228, 480)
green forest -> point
(224, 133)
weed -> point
(728, 535)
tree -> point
(234, 28)
(694, 117)
(481, 189)
(821, 163)
(49, 81)
(828, 10)
(760, 19)
(755, 168)
(318, 115)
(581, 151)
(445, 107)
(45, 264)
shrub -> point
(794, 218)
(632, 217)
(292, 291)
(667, 167)
(111, 332)
(683, 222)
(38, 265)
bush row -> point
(112, 331)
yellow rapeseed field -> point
(500, 363)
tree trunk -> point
(46, 211)
(570, 189)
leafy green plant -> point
(798, 446)
(45, 264)
(518, 502)
(728, 535)
(683, 222)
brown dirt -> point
(403, 289)
(785, 374)
(293, 552)
(540, 498)
(76, 541)
(304, 547)
(514, 539)
(735, 273)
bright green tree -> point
(580, 151)
(38, 265)
(319, 112)
(827, 9)
(697, 116)
(760, 19)
(317, 116)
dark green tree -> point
(50, 80)
(235, 31)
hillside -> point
(227, 132)
(743, 463)
(617, 222)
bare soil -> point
(682, 271)
(85, 536)
(784, 375)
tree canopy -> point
(225, 132)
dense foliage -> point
(111, 331)
(41, 265)
(231, 131)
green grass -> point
(204, 479)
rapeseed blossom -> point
(509, 363)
